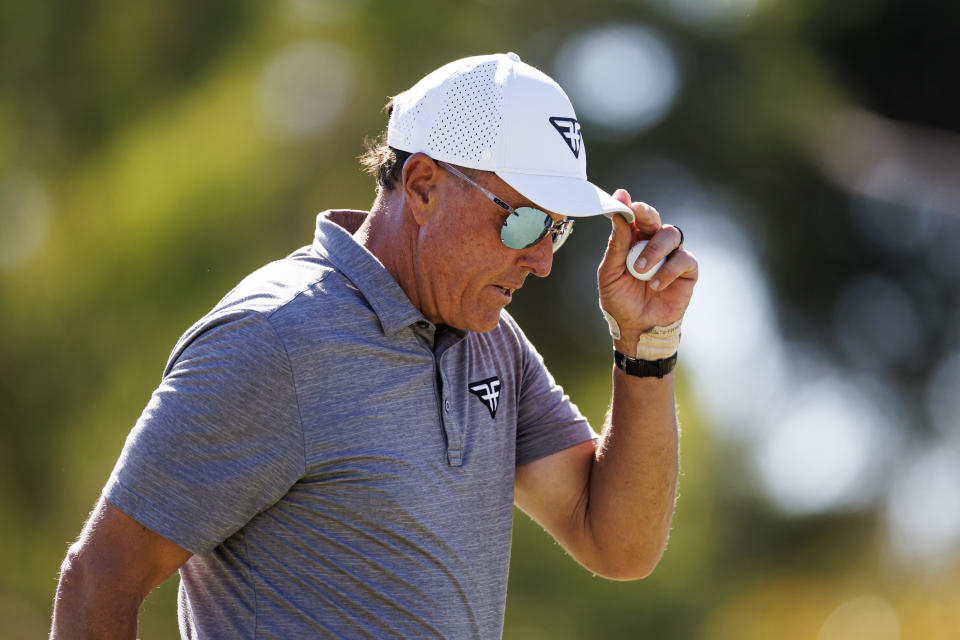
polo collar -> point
(334, 241)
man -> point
(336, 448)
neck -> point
(390, 234)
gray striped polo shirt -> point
(339, 466)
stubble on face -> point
(458, 266)
(464, 274)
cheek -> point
(463, 254)
(463, 249)
(443, 267)
(482, 262)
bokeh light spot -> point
(863, 618)
(814, 457)
(712, 17)
(620, 78)
(923, 514)
(24, 217)
(323, 12)
(305, 87)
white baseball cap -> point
(496, 113)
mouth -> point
(506, 292)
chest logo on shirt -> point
(489, 393)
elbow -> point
(69, 601)
(87, 598)
(628, 569)
(628, 553)
(71, 575)
(77, 585)
(627, 562)
(83, 582)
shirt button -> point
(447, 405)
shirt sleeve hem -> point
(556, 442)
(153, 517)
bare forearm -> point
(73, 619)
(633, 479)
(83, 609)
(610, 503)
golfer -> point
(335, 450)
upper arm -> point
(553, 491)
(219, 441)
(107, 574)
(118, 553)
(555, 452)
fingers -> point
(665, 243)
(647, 220)
(614, 259)
(622, 195)
(680, 266)
(647, 223)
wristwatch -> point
(644, 368)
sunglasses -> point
(525, 226)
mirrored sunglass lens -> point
(524, 227)
(561, 237)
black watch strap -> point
(644, 368)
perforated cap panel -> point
(468, 123)
(404, 124)
(497, 113)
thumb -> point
(615, 257)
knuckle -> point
(656, 248)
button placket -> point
(452, 432)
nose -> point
(538, 259)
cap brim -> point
(567, 196)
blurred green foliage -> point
(144, 127)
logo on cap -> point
(569, 130)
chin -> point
(488, 322)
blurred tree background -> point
(153, 153)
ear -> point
(420, 178)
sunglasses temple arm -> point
(497, 201)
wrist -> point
(658, 343)
(627, 344)
(655, 343)
(644, 368)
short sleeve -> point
(220, 440)
(547, 421)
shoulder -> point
(263, 306)
(508, 329)
(508, 339)
(286, 283)
(507, 334)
